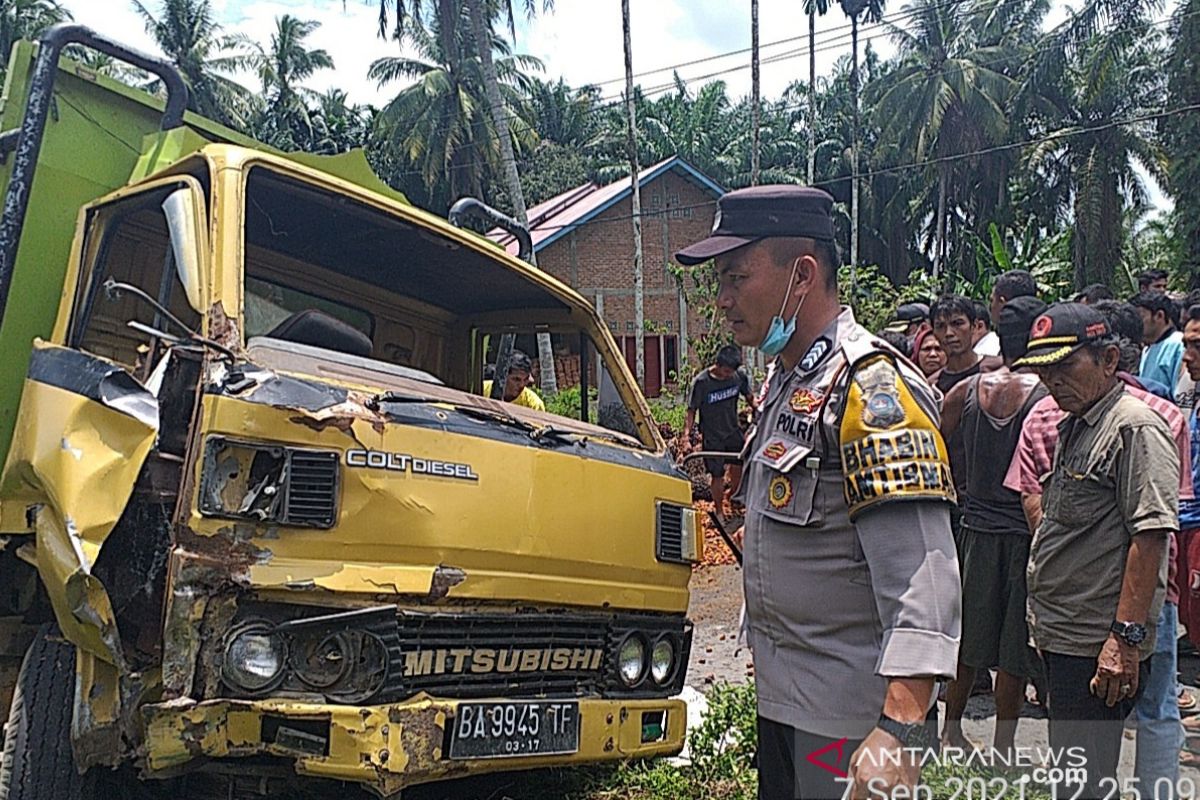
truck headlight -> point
(254, 658)
(662, 660)
(631, 660)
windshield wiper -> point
(114, 289)
(551, 432)
(398, 397)
(538, 433)
(488, 415)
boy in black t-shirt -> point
(714, 394)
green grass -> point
(721, 748)
(669, 411)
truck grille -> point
(670, 533)
(509, 655)
(397, 654)
(311, 488)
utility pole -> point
(754, 80)
(639, 320)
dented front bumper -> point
(386, 747)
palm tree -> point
(439, 123)
(698, 127)
(187, 33)
(812, 8)
(638, 287)
(1182, 134)
(565, 115)
(481, 13)
(26, 19)
(339, 126)
(481, 25)
(874, 12)
(282, 67)
(1115, 81)
(946, 96)
(104, 64)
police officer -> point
(851, 579)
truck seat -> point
(315, 328)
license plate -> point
(507, 730)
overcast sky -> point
(580, 40)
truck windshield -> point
(336, 284)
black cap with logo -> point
(762, 212)
(1063, 329)
(908, 314)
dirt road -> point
(716, 656)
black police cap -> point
(763, 212)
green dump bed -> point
(96, 132)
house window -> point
(671, 359)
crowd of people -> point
(1005, 487)
(1002, 421)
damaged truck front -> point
(265, 521)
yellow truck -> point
(259, 523)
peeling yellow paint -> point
(343, 577)
(98, 689)
(561, 550)
(388, 747)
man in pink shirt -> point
(1160, 735)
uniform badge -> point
(881, 398)
(780, 491)
(821, 348)
(775, 451)
(806, 401)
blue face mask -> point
(780, 332)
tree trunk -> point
(812, 97)
(1099, 233)
(638, 290)
(940, 251)
(854, 151)
(512, 180)
(755, 99)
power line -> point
(523, 126)
(519, 125)
(867, 33)
(1053, 136)
(884, 20)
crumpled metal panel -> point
(384, 747)
(83, 432)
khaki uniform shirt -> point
(1115, 475)
(836, 606)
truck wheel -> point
(38, 763)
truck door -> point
(93, 407)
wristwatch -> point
(1131, 633)
(910, 734)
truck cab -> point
(260, 516)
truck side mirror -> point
(183, 219)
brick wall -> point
(596, 259)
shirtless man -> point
(987, 410)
